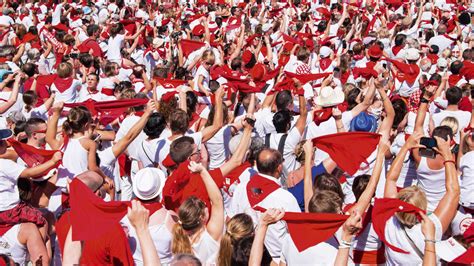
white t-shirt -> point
(163, 146)
(10, 245)
(147, 152)
(9, 174)
(264, 122)
(293, 138)
(201, 71)
(37, 112)
(463, 118)
(394, 235)
(441, 41)
(466, 167)
(134, 146)
(324, 253)
(70, 95)
(218, 147)
(115, 46)
(16, 107)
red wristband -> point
(449, 161)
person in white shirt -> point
(147, 152)
(453, 96)
(65, 85)
(90, 90)
(116, 41)
(30, 98)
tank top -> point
(161, 237)
(206, 249)
(75, 161)
(432, 182)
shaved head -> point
(91, 179)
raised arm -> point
(217, 123)
(368, 99)
(387, 122)
(139, 217)
(392, 175)
(301, 122)
(308, 176)
(13, 96)
(215, 226)
(38, 170)
(369, 191)
(52, 128)
(123, 143)
(419, 121)
(269, 217)
(239, 154)
(447, 207)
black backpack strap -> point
(281, 144)
(267, 140)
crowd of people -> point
(216, 132)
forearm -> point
(340, 126)
(429, 257)
(150, 256)
(256, 253)
(36, 171)
(308, 182)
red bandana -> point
(258, 188)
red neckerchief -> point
(62, 84)
(92, 92)
(396, 49)
(258, 188)
(324, 63)
(433, 58)
(454, 79)
(358, 57)
(234, 175)
(137, 81)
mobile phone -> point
(420, 34)
(250, 121)
(429, 143)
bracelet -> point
(449, 161)
(345, 244)
(430, 240)
(340, 127)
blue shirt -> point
(298, 189)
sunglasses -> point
(208, 64)
(40, 131)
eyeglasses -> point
(198, 152)
(40, 131)
(208, 64)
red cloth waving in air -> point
(189, 46)
(348, 149)
(31, 155)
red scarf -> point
(92, 217)
(397, 49)
(309, 229)
(234, 175)
(182, 184)
(348, 149)
(31, 155)
(62, 84)
(383, 210)
(433, 58)
(322, 115)
(258, 188)
(170, 83)
(409, 72)
(189, 46)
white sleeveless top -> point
(432, 182)
(160, 235)
(206, 249)
(75, 161)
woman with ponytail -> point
(79, 151)
(237, 228)
(197, 232)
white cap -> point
(449, 249)
(442, 63)
(412, 54)
(148, 183)
(325, 51)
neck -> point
(33, 143)
(452, 107)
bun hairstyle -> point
(77, 120)
(190, 214)
(239, 227)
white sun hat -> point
(330, 97)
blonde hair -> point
(452, 123)
(208, 55)
(190, 213)
(65, 70)
(415, 196)
(240, 226)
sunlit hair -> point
(415, 196)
